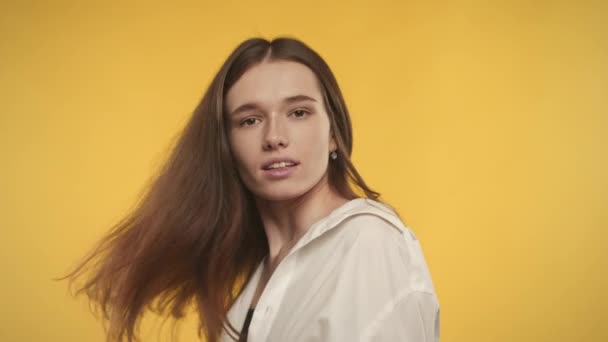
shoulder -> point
(375, 238)
(375, 222)
(372, 229)
(381, 246)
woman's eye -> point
(248, 122)
(300, 113)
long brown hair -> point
(195, 235)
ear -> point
(332, 142)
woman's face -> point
(276, 114)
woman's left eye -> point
(300, 113)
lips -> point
(287, 162)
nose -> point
(275, 135)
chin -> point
(281, 193)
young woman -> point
(256, 220)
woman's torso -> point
(345, 280)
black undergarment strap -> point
(245, 329)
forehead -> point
(270, 82)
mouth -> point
(278, 164)
(279, 169)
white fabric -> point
(358, 274)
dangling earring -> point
(333, 155)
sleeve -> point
(413, 318)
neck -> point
(286, 221)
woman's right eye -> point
(248, 122)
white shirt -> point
(358, 274)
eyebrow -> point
(288, 100)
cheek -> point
(315, 145)
(240, 150)
(321, 136)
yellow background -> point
(485, 123)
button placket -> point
(271, 297)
